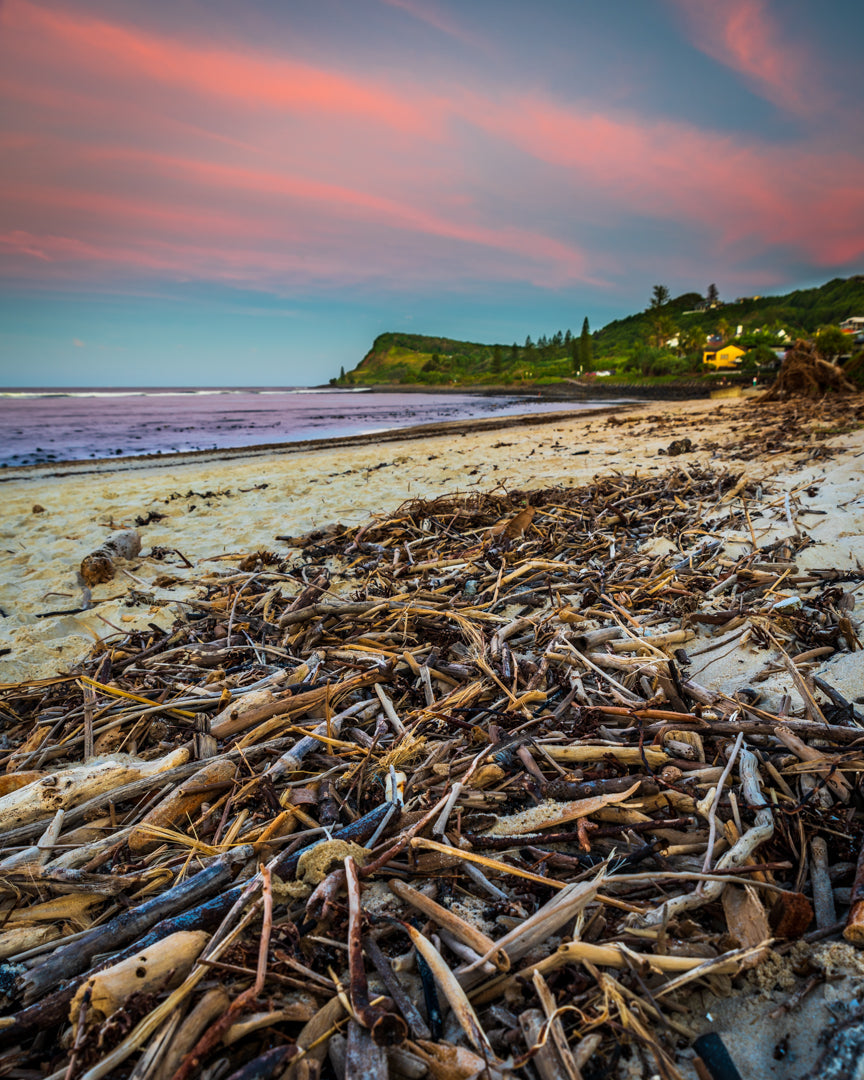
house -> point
(853, 325)
(722, 356)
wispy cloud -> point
(137, 152)
(117, 53)
(438, 20)
(745, 36)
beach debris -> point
(98, 566)
(680, 446)
(804, 373)
(442, 795)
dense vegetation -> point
(666, 339)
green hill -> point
(637, 344)
(801, 312)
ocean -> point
(38, 426)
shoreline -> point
(122, 463)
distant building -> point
(853, 325)
(723, 356)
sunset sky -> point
(206, 192)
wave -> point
(326, 390)
(130, 393)
(181, 393)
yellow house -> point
(722, 356)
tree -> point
(712, 296)
(514, 352)
(575, 365)
(759, 356)
(497, 363)
(568, 337)
(662, 329)
(585, 346)
(650, 360)
(341, 374)
(831, 342)
(529, 344)
(692, 340)
(659, 296)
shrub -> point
(650, 360)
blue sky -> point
(207, 193)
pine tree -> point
(585, 346)
(496, 360)
(341, 374)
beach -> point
(664, 580)
(227, 504)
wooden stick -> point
(823, 893)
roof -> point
(721, 348)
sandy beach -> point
(773, 481)
(224, 505)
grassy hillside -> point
(411, 358)
(801, 312)
(635, 345)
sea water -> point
(38, 426)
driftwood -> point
(443, 781)
(161, 967)
(804, 373)
(98, 566)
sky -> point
(204, 192)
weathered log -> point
(162, 966)
(70, 960)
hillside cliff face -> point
(437, 361)
(397, 357)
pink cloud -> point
(240, 77)
(743, 35)
(739, 194)
(375, 208)
(133, 150)
(296, 214)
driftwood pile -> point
(800, 426)
(433, 797)
(804, 373)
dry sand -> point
(220, 505)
